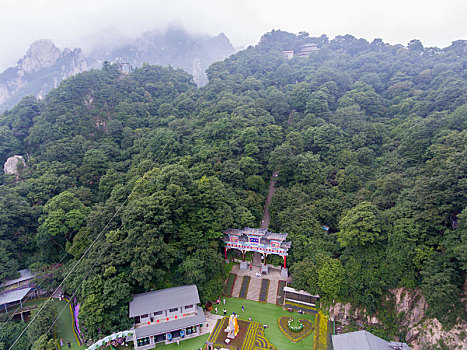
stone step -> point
(257, 259)
(254, 288)
(272, 292)
(237, 286)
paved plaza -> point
(254, 288)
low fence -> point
(104, 341)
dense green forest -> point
(369, 139)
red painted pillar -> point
(225, 253)
(285, 260)
(243, 255)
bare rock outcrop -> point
(12, 165)
(41, 69)
(411, 303)
(431, 332)
(41, 54)
(422, 333)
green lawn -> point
(263, 313)
(65, 326)
(189, 344)
(268, 314)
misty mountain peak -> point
(41, 69)
(42, 53)
(45, 65)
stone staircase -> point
(253, 289)
(256, 259)
(237, 286)
(272, 292)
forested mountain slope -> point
(369, 138)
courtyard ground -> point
(189, 344)
(268, 314)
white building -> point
(165, 316)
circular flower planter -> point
(295, 330)
(295, 325)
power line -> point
(77, 288)
(37, 286)
(88, 249)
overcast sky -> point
(77, 23)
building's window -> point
(173, 310)
(188, 306)
(143, 341)
(137, 319)
(158, 313)
(159, 338)
(144, 316)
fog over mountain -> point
(44, 65)
(174, 46)
(74, 24)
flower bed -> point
(244, 287)
(321, 341)
(250, 336)
(286, 325)
(229, 285)
(263, 293)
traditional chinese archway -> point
(257, 240)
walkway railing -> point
(109, 338)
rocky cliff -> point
(41, 69)
(175, 47)
(422, 333)
(44, 66)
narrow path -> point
(272, 292)
(237, 286)
(256, 259)
(272, 189)
(253, 289)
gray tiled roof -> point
(363, 340)
(163, 299)
(233, 231)
(24, 275)
(16, 295)
(165, 327)
(276, 236)
(255, 231)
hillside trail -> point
(272, 189)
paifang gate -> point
(257, 240)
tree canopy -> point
(369, 139)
